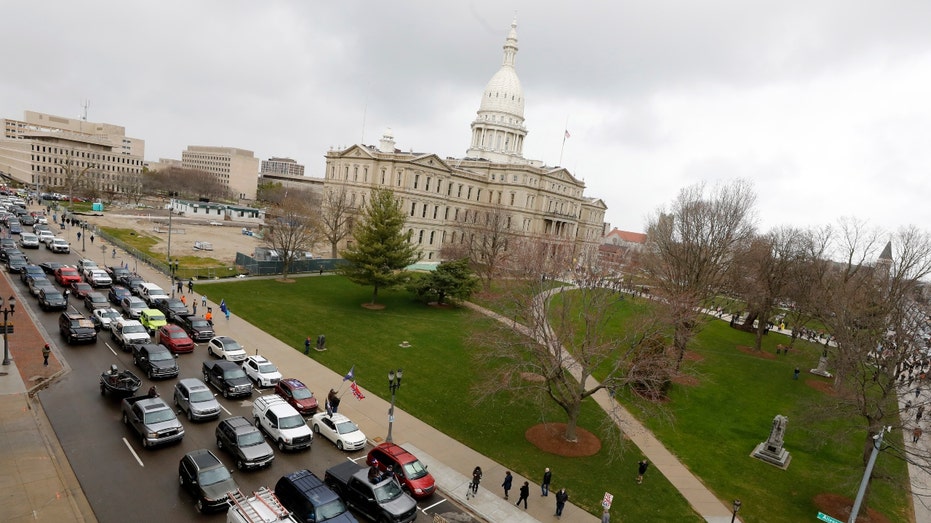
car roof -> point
(396, 451)
(259, 359)
(192, 383)
(204, 458)
(335, 417)
(294, 383)
(238, 422)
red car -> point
(298, 395)
(65, 276)
(80, 289)
(175, 338)
(411, 473)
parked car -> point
(339, 429)
(151, 319)
(37, 284)
(245, 442)
(172, 307)
(309, 499)
(66, 275)
(132, 306)
(95, 300)
(50, 267)
(31, 270)
(98, 278)
(197, 327)
(80, 289)
(206, 478)
(104, 318)
(52, 300)
(155, 361)
(117, 293)
(75, 327)
(28, 240)
(410, 472)
(226, 348)
(58, 245)
(193, 397)
(298, 395)
(261, 371)
(16, 263)
(174, 338)
(284, 425)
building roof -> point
(628, 236)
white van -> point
(152, 293)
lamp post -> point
(736, 508)
(394, 383)
(7, 309)
(83, 236)
(173, 268)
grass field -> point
(712, 425)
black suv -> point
(172, 307)
(241, 439)
(205, 477)
(155, 360)
(197, 327)
(76, 327)
(309, 499)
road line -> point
(224, 410)
(130, 447)
(111, 348)
(425, 509)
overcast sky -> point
(824, 105)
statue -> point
(771, 450)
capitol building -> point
(443, 196)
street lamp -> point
(736, 510)
(83, 236)
(7, 309)
(394, 383)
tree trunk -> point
(572, 421)
(333, 251)
(374, 294)
(760, 330)
(680, 342)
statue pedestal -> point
(822, 368)
(778, 457)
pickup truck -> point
(282, 423)
(155, 361)
(197, 327)
(152, 419)
(126, 333)
(228, 378)
(380, 498)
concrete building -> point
(440, 194)
(236, 169)
(65, 153)
(281, 166)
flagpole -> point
(565, 135)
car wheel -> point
(125, 419)
(219, 443)
(145, 443)
(281, 445)
(190, 415)
(226, 394)
(135, 361)
(210, 351)
(180, 480)
(199, 505)
(316, 428)
(150, 373)
(103, 390)
(240, 464)
(339, 444)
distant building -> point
(52, 151)
(281, 166)
(439, 194)
(633, 240)
(235, 169)
(216, 212)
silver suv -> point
(194, 398)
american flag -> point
(356, 391)
(567, 134)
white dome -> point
(503, 93)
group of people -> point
(562, 497)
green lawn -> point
(712, 426)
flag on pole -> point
(567, 134)
(351, 375)
(223, 306)
(356, 391)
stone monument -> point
(771, 450)
(822, 366)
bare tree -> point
(482, 237)
(558, 339)
(689, 248)
(293, 228)
(337, 217)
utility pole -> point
(877, 442)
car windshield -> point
(137, 305)
(177, 335)
(54, 295)
(235, 373)
(388, 491)
(291, 422)
(160, 356)
(213, 476)
(156, 317)
(346, 427)
(330, 510)
(200, 396)
(199, 323)
(267, 368)
(250, 438)
(414, 470)
(303, 393)
(109, 314)
(231, 345)
(133, 329)
(159, 416)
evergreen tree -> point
(453, 279)
(382, 249)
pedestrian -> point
(917, 391)
(66, 294)
(227, 312)
(183, 300)
(915, 433)
(795, 373)
(508, 478)
(307, 345)
(79, 235)
(476, 479)
(605, 513)
(45, 352)
(114, 253)
(190, 286)
(524, 494)
(203, 300)
(333, 401)
(153, 392)
(561, 498)
(642, 466)
(92, 239)
(920, 413)
(194, 306)
(209, 316)
(545, 485)
(179, 286)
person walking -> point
(545, 485)
(795, 373)
(642, 466)
(203, 300)
(919, 413)
(508, 479)
(916, 434)
(476, 479)
(307, 345)
(524, 494)
(179, 285)
(561, 498)
(190, 286)
(92, 239)
(45, 352)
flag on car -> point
(356, 391)
(351, 375)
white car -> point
(45, 236)
(263, 372)
(226, 348)
(98, 278)
(59, 245)
(105, 317)
(339, 429)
